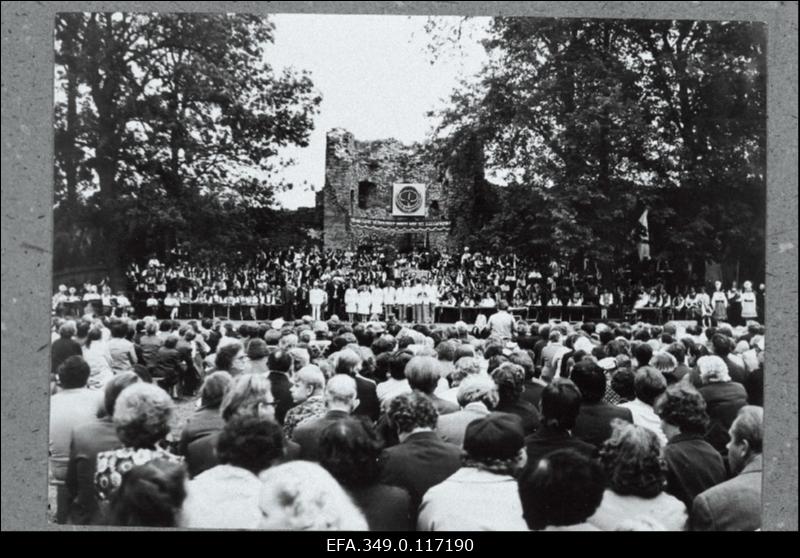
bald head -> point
(341, 393)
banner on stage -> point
(408, 200)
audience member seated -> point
(510, 380)
(142, 416)
(477, 396)
(631, 458)
(397, 383)
(206, 419)
(735, 505)
(561, 401)
(308, 388)
(302, 496)
(226, 496)
(349, 363)
(150, 495)
(692, 464)
(423, 375)
(482, 495)
(341, 400)
(75, 404)
(561, 492)
(88, 440)
(723, 398)
(349, 450)
(593, 424)
(421, 459)
(648, 384)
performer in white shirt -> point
(389, 299)
(433, 300)
(376, 302)
(364, 303)
(719, 303)
(351, 302)
(748, 300)
(606, 302)
(172, 303)
(316, 298)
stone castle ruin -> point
(385, 192)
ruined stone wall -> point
(358, 184)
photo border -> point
(27, 219)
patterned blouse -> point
(311, 408)
(113, 464)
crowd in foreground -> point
(325, 425)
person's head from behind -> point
(747, 437)
(648, 384)
(280, 361)
(341, 393)
(560, 404)
(150, 495)
(510, 380)
(523, 359)
(303, 496)
(248, 395)
(631, 458)
(398, 362)
(250, 442)
(478, 388)
(564, 488)
(74, 373)
(308, 381)
(465, 366)
(590, 379)
(411, 412)
(682, 409)
(348, 363)
(423, 374)
(712, 369)
(622, 382)
(349, 450)
(67, 330)
(495, 443)
(214, 388)
(171, 342)
(446, 351)
(142, 415)
(721, 345)
(114, 387)
(642, 352)
(119, 329)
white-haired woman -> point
(303, 496)
(748, 302)
(723, 398)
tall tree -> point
(594, 120)
(180, 115)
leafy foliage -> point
(168, 126)
(595, 120)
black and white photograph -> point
(415, 273)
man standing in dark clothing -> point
(280, 368)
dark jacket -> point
(547, 439)
(62, 349)
(204, 421)
(168, 365)
(201, 454)
(692, 467)
(532, 393)
(386, 508)
(419, 462)
(736, 371)
(368, 403)
(87, 441)
(282, 392)
(593, 424)
(307, 433)
(524, 410)
(723, 401)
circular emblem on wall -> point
(408, 199)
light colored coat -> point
(734, 505)
(452, 426)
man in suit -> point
(560, 405)
(477, 396)
(341, 399)
(421, 459)
(280, 369)
(349, 364)
(735, 505)
(593, 424)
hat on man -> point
(497, 436)
(257, 349)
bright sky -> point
(376, 80)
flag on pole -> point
(643, 236)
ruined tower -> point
(359, 193)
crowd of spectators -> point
(324, 424)
(418, 286)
